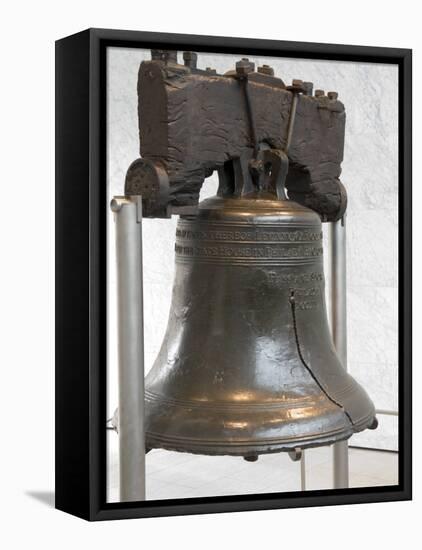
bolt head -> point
(308, 86)
(189, 55)
(266, 69)
(164, 55)
(190, 59)
(332, 95)
(244, 66)
(319, 93)
(297, 83)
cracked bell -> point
(247, 365)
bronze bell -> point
(247, 365)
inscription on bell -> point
(306, 298)
(249, 251)
(279, 279)
(305, 292)
(249, 235)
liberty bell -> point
(247, 365)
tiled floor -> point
(180, 475)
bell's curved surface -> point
(247, 365)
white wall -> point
(369, 92)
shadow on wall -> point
(45, 497)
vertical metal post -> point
(128, 218)
(303, 471)
(339, 332)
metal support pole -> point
(387, 412)
(128, 218)
(303, 471)
(339, 332)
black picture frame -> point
(81, 273)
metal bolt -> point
(374, 424)
(295, 454)
(297, 83)
(266, 69)
(190, 59)
(319, 93)
(117, 203)
(244, 67)
(251, 458)
(308, 86)
(164, 55)
(210, 70)
(332, 95)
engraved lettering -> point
(250, 251)
(293, 278)
(257, 235)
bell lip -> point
(265, 446)
(230, 449)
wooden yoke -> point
(193, 122)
